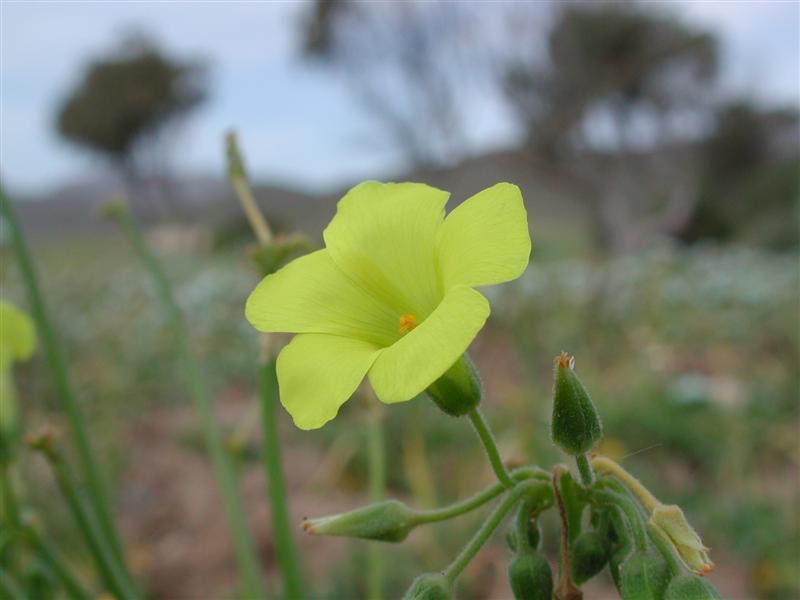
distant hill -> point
(69, 210)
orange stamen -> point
(407, 323)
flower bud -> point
(429, 586)
(576, 425)
(690, 587)
(530, 577)
(589, 554)
(671, 521)
(388, 521)
(458, 390)
(644, 576)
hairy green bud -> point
(643, 576)
(429, 586)
(589, 554)
(388, 521)
(459, 390)
(530, 577)
(691, 587)
(576, 425)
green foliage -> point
(590, 553)
(690, 587)
(644, 576)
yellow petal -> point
(420, 357)
(384, 237)
(317, 373)
(485, 240)
(312, 295)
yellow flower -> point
(391, 296)
(17, 342)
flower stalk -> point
(487, 439)
(54, 356)
(288, 559)
(376, 454)
(224, 471)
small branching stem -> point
(567, 590)
(522, 489)
(585, 470)
(476, 501)
(606, 466)
(376, 454)
(632, 514)
(487, 439)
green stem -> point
(74, 588)
(376, 451)
(247, 559)
(57, 365)
(666, 548)
(632, 514)
(485, 435)
(9, 588)
(476, 501)
(284, 542)
(105, 560)
(585, 469)
(9, 499)
(487, 528)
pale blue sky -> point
(298, 124)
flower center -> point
(407, 323)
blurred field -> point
(691, 356)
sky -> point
(299, 125)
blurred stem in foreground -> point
(376, 454)
(282, 532)
(69, 402)
(288, 559)
(106, 562)
(253, 585)
(74, 588)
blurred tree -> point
(750, 186)
(405, 61)
(614, 106)
(126, 102)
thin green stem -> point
(246, 556)
(74, 588)
(585, 469)
(487, 528)
(55, 361)
(485, 435)
(632, 514)
(666, 548)
(9, 498)
(105, 560)
(9, 588)
(376, 454)
(477, 500)
(284, 541)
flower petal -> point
(384, 237)
(419, 358)
(485, 240)
(317, 373)
(17, 334)
(312, 295)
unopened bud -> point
(459, 390)
(429, 586)
(530, 577)
(671, 521)
(388, 521)
(576, 425)
(589, 554)
(644, 576)
(691, 587)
